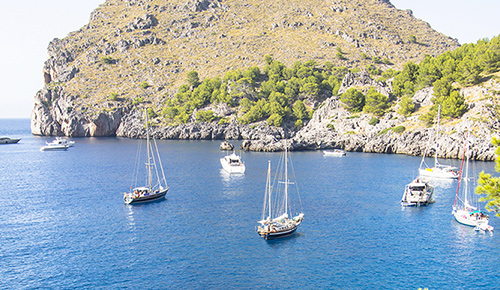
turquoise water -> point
(63, 223)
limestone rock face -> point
(54, 115)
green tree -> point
(468, 72)
(406, 106)
(192, 79)
(299, 110)
(375, 102)
(412, 38)
(489, 186)
(453, 105)
(275, 120)
(353, 100)
(403, 83)
(205, 116)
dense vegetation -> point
(277, 94)
(465, 65)
(281, 94)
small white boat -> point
(466, 208)
(7, 140)
(232, 163)
(61, 141)
(334, 153)
(417, 193)
(54, 147)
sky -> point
(27, 27)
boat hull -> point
(437, 173)
(464, 217)
(53, 148)
(334, 153)
(279, 234)
(129, 198)
(9, 140)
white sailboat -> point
(438, 170)
(463, 211)
(275, 222)
(156, 185)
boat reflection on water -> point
(229, 179)
(440, 182)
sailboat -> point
(439, 170)
(156, 185)
(463, 211)
(275, 222)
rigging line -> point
(137, 162)
(155, 165)
(461, 168)
(161, 165)
(296, 185)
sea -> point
(64, 225)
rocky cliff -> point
(139, 51)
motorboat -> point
(417, 193)
(54, 147)
(466, 208)
(275, 222)
(156, 184)
(61, 141)
(7, 140)
(232, 163)
(334, 153)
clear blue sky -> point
(26, 28)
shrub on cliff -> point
(406, 106)
(205, 116)
(375, 102)
(353, 100)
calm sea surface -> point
(63, 223)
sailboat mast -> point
(148, 149)
(437, 138)
(269, 186)
(286, 178)
(466, 188)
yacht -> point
(417, 193)
(232, 163)
(334, 153)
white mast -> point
(268, 187)
(466, 187)
(149, 154)
(286, 179)
(437, 138)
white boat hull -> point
(54, 147)
(466, 218)
(437, 173)
(335, 153)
